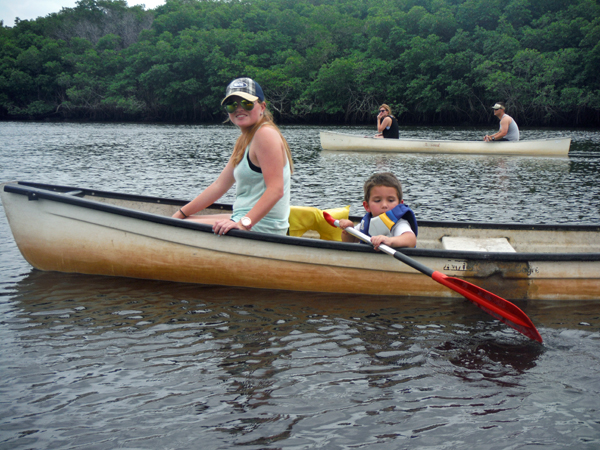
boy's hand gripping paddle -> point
(492, 304)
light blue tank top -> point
(250, 186)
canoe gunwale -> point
(51, 188)
(60, 194)
(36, 191)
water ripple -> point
(100, 362)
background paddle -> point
(492, 304)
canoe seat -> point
(477, 244)
(308, 218)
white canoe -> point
(535, 147)
(69, 229)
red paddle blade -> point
(492, 304)
(330, 220)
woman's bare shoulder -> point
(267, 130)
(267, 133)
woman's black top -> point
(393, 132)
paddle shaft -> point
(494, 305)
(390, 251)
(437, 276)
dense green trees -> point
(326, 61)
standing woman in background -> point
(387, 125)
(260, 166)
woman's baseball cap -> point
(246, 88)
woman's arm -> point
(383, 124)
(267, 152)
(211, 194)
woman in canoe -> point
(387, 125)
(260, 166)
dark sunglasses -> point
(382, 110)
(232, 106)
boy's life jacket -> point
(383, 223)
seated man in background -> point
(509, 131)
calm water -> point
(103, 363)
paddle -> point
(492, 304)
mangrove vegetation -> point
(319, 61)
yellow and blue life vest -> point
(383, 223)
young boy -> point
(388, 221)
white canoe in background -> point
(68, 229)
(535, 147)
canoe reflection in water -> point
(244, 324)
(169, 363)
